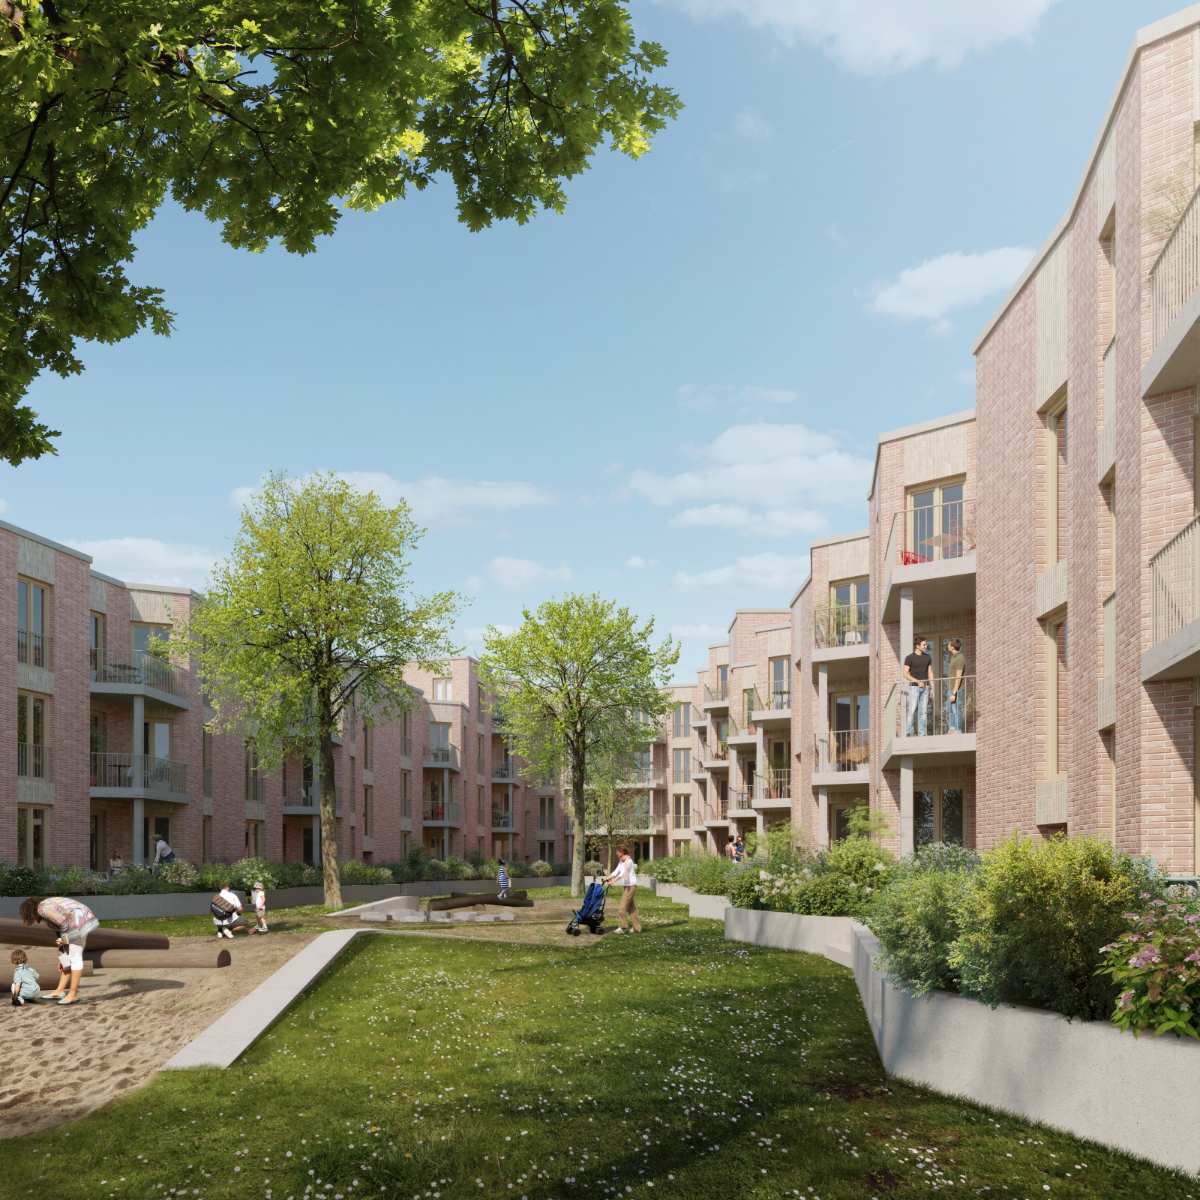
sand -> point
(127, 1024)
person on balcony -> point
(918, 671)
(958, 667)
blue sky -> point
(661, 395)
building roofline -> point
(837, 539)
(165, 588)
(1146, 36)
(800, 592)
(962, 417)
(107, 578)
(45, 541)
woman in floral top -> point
(74, 921)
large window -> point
(368, 746)
(33, 623)
(252, 777)
(439, 742)
(683, 720)
(406, 793)
(683, 766)
(442, 690)
(97, 638)
(683, 812)
(848, 622)
(31, 836)
(206, 763)
(938, 815)
(368, 810)
(545, 812)
(780, 685)
(936, 523)
(1057, 490)
(33, 750)
(253, 839)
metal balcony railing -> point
(506, 771)
(775, 783)
(717, 809)
(441, 812)
(34, 649)
(1175, 275)
(944, 711)
(503, 818)
(33, 761)
(646, 777)
(740, 798)
(845, 750)
(720, 692)
(1175, 582)
(120, 771)
(774, 698)
(442, 756)
(931, 533)
(138, 667)
(841, 625)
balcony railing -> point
(506, 771)
(716, 748)
(441, 812)
(120, 771)
(931, 533)
(740, 799)
(683, 818)
(33, 761)
(943, 711)
(138, 667)
(645, 777)
(837, 625)
(1175, 275)
(503, 818)
(442, 756)
(775, 783)
(846, 750)
(717, 694)
(717, 809)
(1175, 582)
(34, 649)
(775, 698)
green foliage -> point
(22, 881)
(270, 127)
(138, 881)
(245, 871)
(1156, 966)
(707, 874)
(830, 894)
(181, 873)
(592, 867)
(862, 822)
(356, 871)
(743, 889)
(1035, 917)
(541, 869)
(866, 864)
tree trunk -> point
(329, 849)
(578, 812)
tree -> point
(578, 676)
(269, 125)
(312, 613)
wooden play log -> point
(470, 901)
(178, 959)
(13, 932)
(46, 967)
(519, 894)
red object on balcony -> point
(909, 557)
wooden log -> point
(470, 901)
(46, 967)
(175, 960)
(519, 894)
(14, 933)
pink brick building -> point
(111, 746)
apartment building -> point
(112, 746)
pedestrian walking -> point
(625, 875)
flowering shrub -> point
(1156, 964)
(245, 871)
(181, 873)
(592, 867)
(541, 869)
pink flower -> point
(1194, 957)
(1145, 957)
(1125, 1001)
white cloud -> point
(776, 572)
(518, 574)
(879, 36)
(637, 563)
(713, 397)
(436, 499)
(933, 289)
(701, 633)
(770, 522)
(148, 560)
(752, 126)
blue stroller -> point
(591, 911)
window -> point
(848, 622)
(439, 742)
(545, 812)
(936, 525)
(368, 745)
(683, 766)
(206, 763)
(145, 637)
(683, 720)
(33, 623)
(441, 690)
(252, 779)
(748, 705)
(97, 638)
(1057, 731)
(839, 816)
(683, 814)
(253, 839)
(368, 810)
(31, 836)
(406, 733)
(780, 686)
(938, 816)
(479, 756)
(406, 793)
(33, 750)
(479, 804)
(1056, 423)
(206, 844)
(722, 682)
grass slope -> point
(670, 1065)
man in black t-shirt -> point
(918, 673)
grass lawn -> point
(307, 918)
(670, 1065)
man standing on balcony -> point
(958, 666)
(918, 668)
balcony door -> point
(850, 605)
(32, 739)
(937, 816)
(850, 719)
(935, 522)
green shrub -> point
(829, 895)
(1035, 917)
(707, 875)
(458, 868)
(296, 874)
(138, 881)
(592, 867)
(489, 868)
(354, 871)
(22, 881)
(245, 871)
(541, 869)
(74, 881)
(866, 864)
(743, 889)
(211, 875)
(180, 873)
(917, 919)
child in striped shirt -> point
(502, 881)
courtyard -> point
(509, 1061)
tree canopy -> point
(269, 120)
(579, 677)
(313, 613)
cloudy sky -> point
(662, 395)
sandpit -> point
(128, 1023)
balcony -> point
(35, 649)
(772, 709)
(716, 813)
(714, 755)
(944, 733)
(441, 758)
(773, 789)
(306, 804)
(741, 805)
(506, 772)
(138, 673)
(841, 631)
(716, 700)
(647, 820)
(738, 738)
(503, 819)
(137, 777)
(1174, 362)
(1106, 433)
(645, 777)
(931, 550)
(447, 813)
(1174, 651)
(843, 759)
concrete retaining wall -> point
(711, 908)
(193, 904)
(1089, 1079)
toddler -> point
(258, 897)
(25, 986)
(502, 881)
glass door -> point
(938, 816)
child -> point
(258, 897)
(25, 985)
(502, 881)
